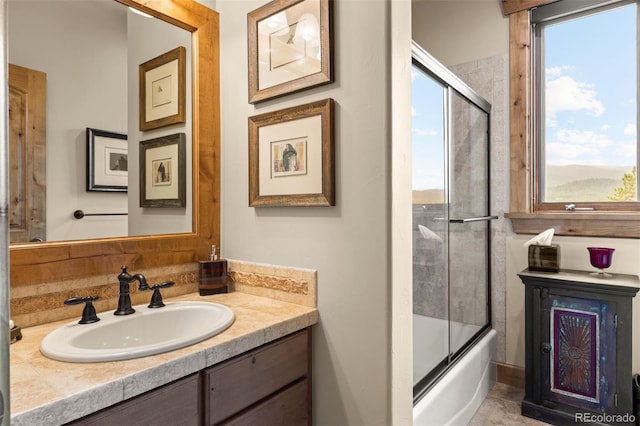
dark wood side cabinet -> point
(267, 385)
(578, 335)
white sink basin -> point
(145, 332)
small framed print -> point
(289, 47)
(163, 171)
(162, 90)
(291, 159)
(107, 161)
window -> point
(585, 106)
(610, 219)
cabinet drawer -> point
(172, 404)
(242, 381)
(289, 407)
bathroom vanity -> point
(578, 347)
(256, 371)
(267, 385)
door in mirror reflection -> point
(27, 138)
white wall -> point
(458, 31)
(348, 244)
(401, 218)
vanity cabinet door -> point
(172, 404)
(277, 375)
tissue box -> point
(544, 258)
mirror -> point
(33, 263)
(88, 54)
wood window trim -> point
(523, 218)
(513, 6)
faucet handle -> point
(124, 275)
(89, 312)
(156, 297)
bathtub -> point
(454, 399)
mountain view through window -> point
(588, 131)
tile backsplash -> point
(42, 303)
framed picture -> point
(289, 47)
(291, 160)
(107, 161)
(162, 90)
(163, 171)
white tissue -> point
(542, 239)
(10, 324)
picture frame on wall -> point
(163, 171)
(107, 161)
(163, 90)
(291, 156)
(290, 47)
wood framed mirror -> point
(58, 261)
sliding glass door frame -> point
(454, 85)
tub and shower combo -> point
(453, 342)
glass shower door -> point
(451, 219)
(469, 218)
(430, 226)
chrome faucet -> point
(124, 302)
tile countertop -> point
(49, 392)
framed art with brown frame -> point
(107, 161)
(290, 47)
(163, 171)
(162, 90)
(291, 156)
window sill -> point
(578, 224)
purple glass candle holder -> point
(600, 258)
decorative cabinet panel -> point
(578, 346)
(582, 339)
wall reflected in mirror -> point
(82, 62)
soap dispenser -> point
(213, 275)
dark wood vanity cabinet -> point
(578, 336)
(269, 385)
(176, 403)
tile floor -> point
(502, 408)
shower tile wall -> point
(488, 77)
